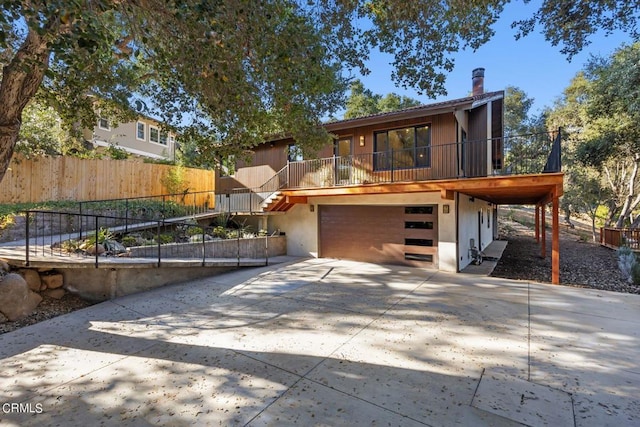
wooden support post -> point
(543, 231)
(555, 243)
(537, 223)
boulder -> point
(91, 250)
(53, 281)
(113, 247)
(32, 278)
(55, 293)
(4, 267)
(16, 299)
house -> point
(144, 137)
(419, 187)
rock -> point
(4, 266)
(113, 247)
(16, 299)
(53, 281)
(55, 293)
(3, 318)
(198, 238)
(32, 278)
(91, 250)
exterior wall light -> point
(361, 140)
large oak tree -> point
(227, 73)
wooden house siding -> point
(472, 152)
(366, 163)
(497, 124)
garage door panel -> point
(375, 234)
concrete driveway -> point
(326, 342)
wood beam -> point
(447, 194)
(296, 199)
(555, 243)
(543, 226)
(537, 223)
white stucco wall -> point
(301, 225)
(468, 225)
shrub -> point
(128, 241)
(635, 273)
(194, 231)
(219, 231)
(174, 180)
(626, 262)
(165, 238)
(102, 235)
(70, 245)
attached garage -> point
(406, 235)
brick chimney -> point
(478, 81)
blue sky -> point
(531, 63)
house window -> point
(163, 138)
(418, 210)
(404, 148)
(140, 131)
(294, 153)
(420, 225)
(103, 124)
(154, 134)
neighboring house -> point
(143, 137)
(419, 187)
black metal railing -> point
(516, 155)
(49, 233)
(511, 155)
(157, 207)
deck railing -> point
(515, 155)
(617, 237)
(511, 155)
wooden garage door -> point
(382, 234)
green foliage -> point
(41, 132)
(11, 209)
(70, 245)
(627, 262)
(174, 180)
(571, 24)
(228, 74)
(165, 238)
(517, 106)
(362, 102)
(195, 231)
(601, 111)
(220, 231)
(100, 236)
(117, 153)
(129, 241)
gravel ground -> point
(47, 309)
(582, 264)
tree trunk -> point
(21, 79)
(626, 208)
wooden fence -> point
(70, 178)
(616, 237)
